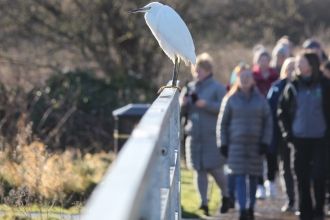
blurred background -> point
(67, 64)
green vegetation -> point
(32, 178)
(71, 110)
(190, 199)
(46, 209)
(48, 213)
(90, 167)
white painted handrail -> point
(143, 183)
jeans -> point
(310, 164)
(241, 183)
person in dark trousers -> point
(304, 119)
(200, 102)
(244, 131)
(326, 74)
(278, 144)
(264, 76)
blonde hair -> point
(284, 40)
(285, 66)
(204, 61)
(238, 69)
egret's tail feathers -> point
(186, 62)
(192, 59)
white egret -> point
(172, 35)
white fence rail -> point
(143, 183)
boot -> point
(250, 214)
(232, 204)
(243, 215)
(205, 208)
(225, 205)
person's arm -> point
(223, 123)
(214, 105)
(283, 113)
(267, 124)
(184, 101)
(326, 103)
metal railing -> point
(143, 183)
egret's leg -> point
(174, 78)
(175, 72)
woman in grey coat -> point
(200, 103)
(244, 132)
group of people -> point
(272, 118)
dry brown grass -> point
(34, 176)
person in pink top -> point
(264, 76)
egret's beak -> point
(138, 10)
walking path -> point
(268, 209)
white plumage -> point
(170, 31)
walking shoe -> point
(270, 188)
(231, 204)
(205, 208)
(243, 215)
(250, 213)
(225, 205)
(261, 192)
(288, 206)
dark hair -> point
(314, 62)
(327, 65)
(311, 43)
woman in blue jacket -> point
(278, 145)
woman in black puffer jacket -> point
(304, 119)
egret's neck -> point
(151, 20)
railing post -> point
(151, 203)
(175, 160)
(178, 164)
(165, 175)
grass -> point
(190, 199)
(35, 209)
(49, 213)
(34, 181)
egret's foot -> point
(164, 87)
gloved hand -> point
(263, 148)
(224, 151)
(288, 137)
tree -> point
(84, 31)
